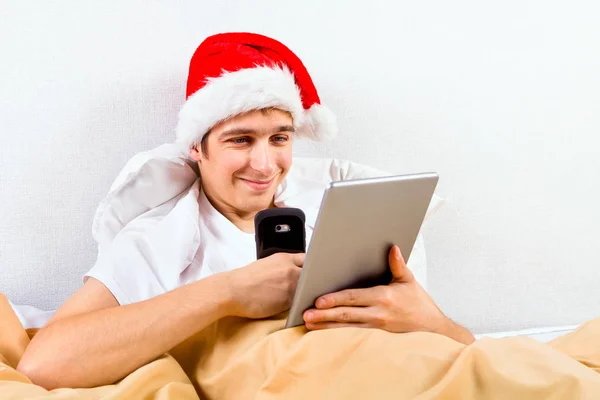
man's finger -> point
(333, 325)
(400, 271)
(349, 297)
(350, 315)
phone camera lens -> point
(278, 228)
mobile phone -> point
(279, 230)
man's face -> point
(246, 158)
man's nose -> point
(261, 159)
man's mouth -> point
(258, 185)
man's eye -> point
(240, 140)
(281, 139)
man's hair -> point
(204, 140)
(204, 145)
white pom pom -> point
(319, 124)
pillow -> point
(148, 180)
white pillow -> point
(148, 180)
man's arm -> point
(107, 341)
(455, 331)
(93, 341)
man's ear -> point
(195, 154)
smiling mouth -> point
(258, 185)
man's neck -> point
(244, 222)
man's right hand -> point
(266, 286)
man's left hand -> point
(401, 306)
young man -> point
(169, 274)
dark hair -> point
(204, 145)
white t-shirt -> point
(161, 251)
(223, 246)
(173, 245)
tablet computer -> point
(358, 222)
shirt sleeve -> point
(147, 257)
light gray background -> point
(502, 100)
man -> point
(167, 276)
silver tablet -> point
(358, 222)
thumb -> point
(400, 272)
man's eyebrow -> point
(286, 128)
(244, 131)
(236, 132)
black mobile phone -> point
(279, 230)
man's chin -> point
(258, 202)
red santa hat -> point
(233, 73)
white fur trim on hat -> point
(245, 90)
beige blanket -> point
(240, 359)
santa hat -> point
(233, 73)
